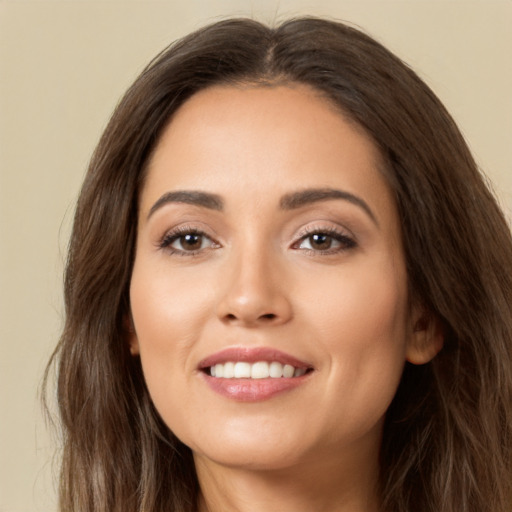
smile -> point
(253, 374)
(258, 370)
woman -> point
(288, 288)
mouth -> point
(253, 374)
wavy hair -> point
(447, 444)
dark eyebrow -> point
(314, 195)
(204, 199)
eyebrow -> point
(290, 201)
(313, 195)
(196, 198)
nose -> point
(254, 293)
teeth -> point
(242, 370)
(229, 370)
(259, 370)
(299, 372)
(288, 371)
(275, 370)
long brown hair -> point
(447, 443)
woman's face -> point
(269, 255)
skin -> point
(257, 279)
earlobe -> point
(427, 339)
(131, 335)
(134, 345)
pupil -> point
(321, 241)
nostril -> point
(264, 318)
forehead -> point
(266, 140)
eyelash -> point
(346, 242)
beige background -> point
(63, 66)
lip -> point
(252, 390)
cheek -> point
(168, 315)
(167, 306)
(361, 325)
(364, 303)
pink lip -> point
(252, 390)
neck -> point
(319, 486)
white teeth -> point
(242, 370)
(259, 370)
(229, 370)
(276, 370)
(288, 371)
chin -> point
(254, 458)
(255, 448)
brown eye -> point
(189, 242)
(320, 241)
(325, 241)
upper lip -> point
(251, 355)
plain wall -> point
(63, 67)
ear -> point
(427, 338)
(130, 334)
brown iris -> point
(320, 241)
(191, 242)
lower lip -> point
(253, 390)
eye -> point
(325, 241)
(187, 242)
